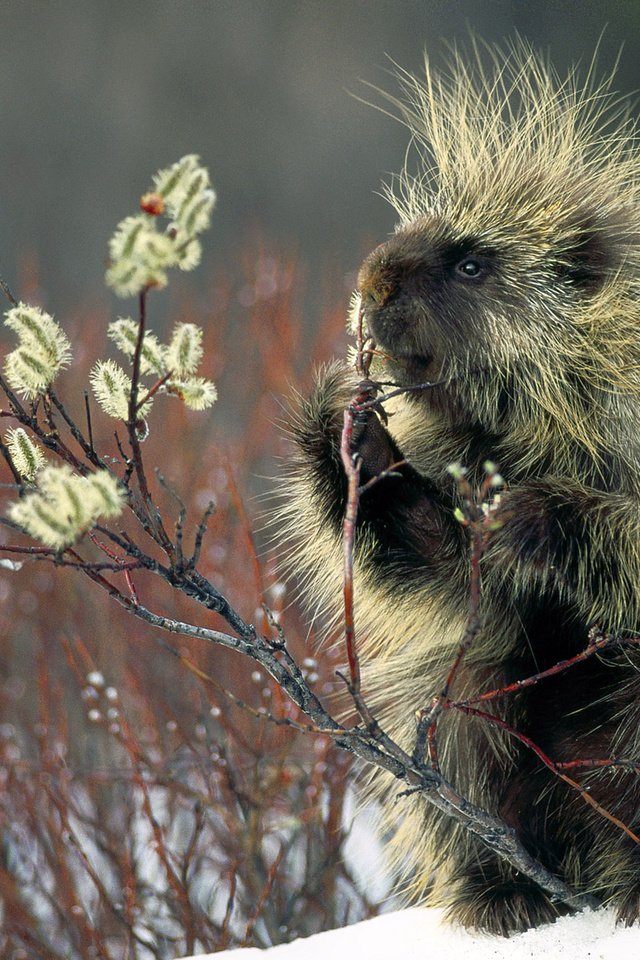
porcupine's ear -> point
(593, 252)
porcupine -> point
(512, 282)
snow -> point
(420, 932)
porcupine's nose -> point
(378, 278)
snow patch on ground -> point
(420, 932)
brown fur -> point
(513, 279)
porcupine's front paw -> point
(319, 424)
(374, 446)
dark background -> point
(96, 95)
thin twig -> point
(76, 433)
(87, 408)
(4, 286)
(551, 765)
(200, 532)
(479, 525)
(153, 514)
(154, 389)
(351, 466)
(182, 516)
(132, 421)
(597, 645)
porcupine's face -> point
(470, 314)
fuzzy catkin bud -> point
(124, 333)
(43, 350)
(140, 252)
(194, 213)
(184, 185)
(184, 353)
(106, 494)
(26, 456)
(189, 255)
(112, 388)
(140, 256)
(63, 506)
(195, 392)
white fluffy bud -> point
(64, 505)
(140, 252)
(195, 392)
(42, 351)
(124, 333)
(26, 456)
(139, 255)
(184, 353)
(112, 388)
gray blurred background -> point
(96, 95)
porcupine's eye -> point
(469, 268)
